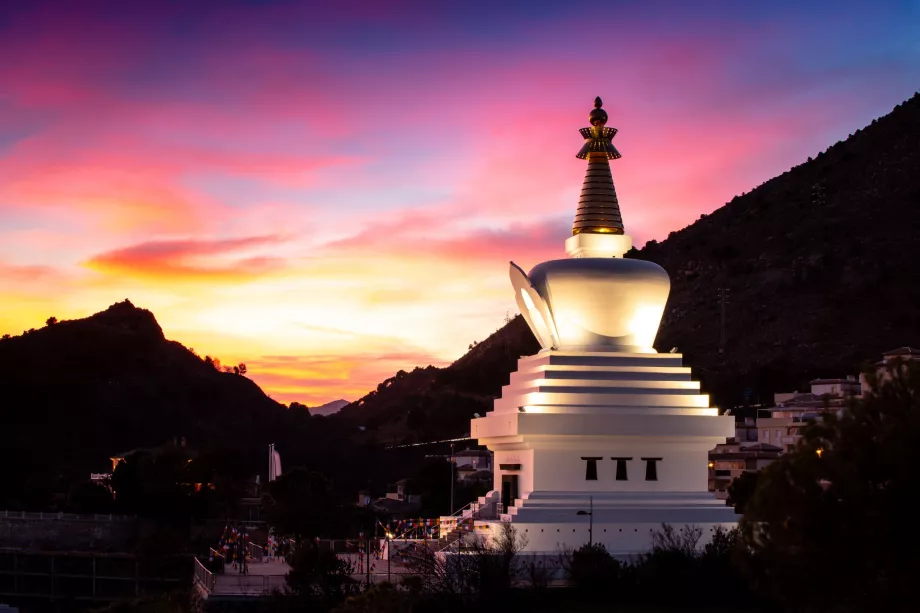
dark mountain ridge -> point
(820, 269)
(76, 392)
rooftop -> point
(902, 351)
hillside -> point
(76, 392)
(818, 263)
(820, 267)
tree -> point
(591, 568)
(741, 489)
(381, 598)
(90, 498)
(51, 321)
(839, 509)
(299, 504)
(477, 570)
(241, 369)
(321, 574)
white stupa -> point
(598, 421)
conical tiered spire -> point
(598, 209)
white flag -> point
(276, 466)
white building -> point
(902, 354)
(598, 422)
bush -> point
(592, 569)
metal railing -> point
(45, 515)
(252, 585)
(256, 552)
(204, 577)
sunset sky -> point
(333, 194)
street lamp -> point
(590, 514)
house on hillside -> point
(178, 444)
(398, 503)
(906, 354)
(473, 465)
(782, 425)
(730, 460)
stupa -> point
(598, 431)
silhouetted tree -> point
(591, 568)
(321, 575)
(299, 504)
(90, 498)
(741, 489)
(381, 598)
(51, 321)
(839, 508)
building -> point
(778, 429)
(473, 465)
(833, 388)
(398, 502)
(782, 425)
(731, 459)
(889, 358)
(177, 445)
(599, 437)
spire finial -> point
(598, 210)
(598, 116)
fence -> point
(255, 552)
(68, 516)
(204, 577)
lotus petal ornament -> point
(596, 300)
(533, 308)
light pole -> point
(451, 478)
(590, 514)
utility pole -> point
(451, 478)
(723, 300)
(367, 558)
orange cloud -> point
(190, 259)
(314, 380)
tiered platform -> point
(624, 436)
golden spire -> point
(598, 209)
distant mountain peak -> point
(329, 408)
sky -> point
(331, 192)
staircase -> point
(487, 507)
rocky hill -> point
(73, 393)
(820, 268)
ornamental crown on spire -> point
(598, 208)
(598, 136)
